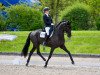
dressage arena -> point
(15, 65)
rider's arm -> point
(46, 21)
(51, 21)
(52, 24)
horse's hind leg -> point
(65, 49)
(30, 54)
(39, 53)
(51, 52)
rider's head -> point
(46, 10)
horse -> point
(57, 40)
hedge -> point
(24, 17)
(98, 23)
(80, 16)
(2, 23)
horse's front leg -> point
(65, 49)
(30, 54)
(51, 52)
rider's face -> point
(47, 12)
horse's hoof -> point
(73, 62)
(45, 66)
(26, 65)
(44, 59)
(24, 56)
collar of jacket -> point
(47, 14)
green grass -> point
(87, 42)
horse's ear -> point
(63, 20)
(69, 23)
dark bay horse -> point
(57, 40)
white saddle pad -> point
(43, 34)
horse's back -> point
(34, 34)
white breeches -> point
(47, 30)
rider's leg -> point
(51, 29)
(49, 32)
(47, 29)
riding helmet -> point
(46, 9)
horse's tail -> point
(26, 46)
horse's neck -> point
(60, 32)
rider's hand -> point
(52, 24)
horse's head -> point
(67, 28)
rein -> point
(59, 23)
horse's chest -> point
(57, 42)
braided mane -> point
(59, 23)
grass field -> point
(87, 42)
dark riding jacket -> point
(47, 20)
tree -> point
(95, 4)
(79, 14)
(2, 23)
(1, 6)
(55, 7)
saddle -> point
(43, 34)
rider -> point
(48, 23)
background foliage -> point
(25, 17)
(80, 16)
(2, 23)
(30, 18)
(57, 6)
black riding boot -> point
(46, 39)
